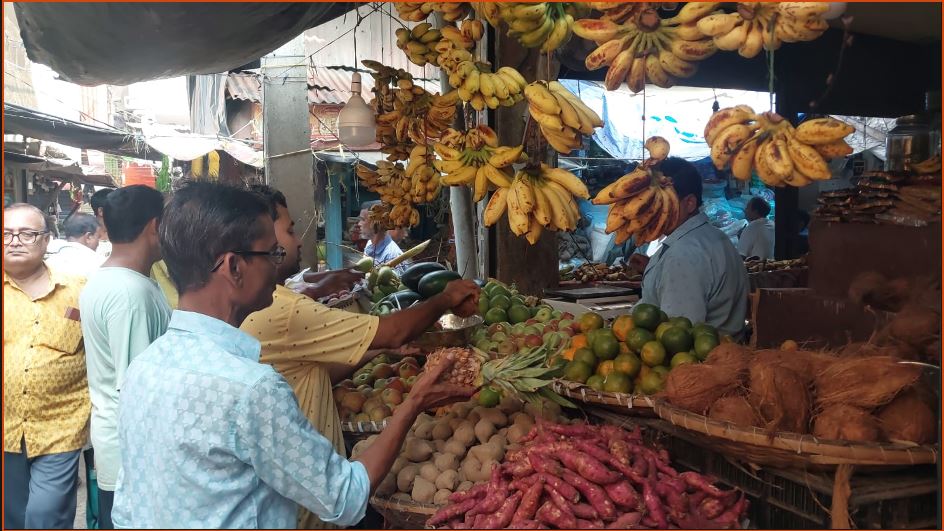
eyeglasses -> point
(27, 237)
(276, 256)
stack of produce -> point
(544, 25)
(499, 301)
(419, 282)
(757, 26)
(637, 352)
(644, 47)
(589, 477)
(600, 272)
(770, 146)
(458, 449)
(419, 11)
(545, 326)
(561, 116)
(376, 389)
(856, 398)
(423, 43)
(477, 85)
(643, 203)
(476, 159)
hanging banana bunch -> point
(770, 146)
(544, 25)
(646, 47)
(419, 11)
(561, 116)
(477, 85)
(476, 159)
(757, 26)
(539, 198)
(488, 11)
(423, 43)
(213, 165)
(394, 187)
(423, 176)
(196, 166)
(643, 203)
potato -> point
(423, 490)
(533, 409)
(516, 432)
(388, 486)
(495, 416)
(499, 440)
(487, 452)
(440, 445)
(423, 430)
(464, 486)
(446, 462)
(484, 430)
(359, 447)
(470, 467)
(405, 478)
(447, 480)
(441, 430)
(429, 472)
(398, 465)
(524, 420)
(483, 473)
(455, 448)
(454, 423)
(418, 450)
(473, 417)
(465, 433)
(441, 497)
(510, 404)
(401, 496)
(462, 410)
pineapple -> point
(525, 375)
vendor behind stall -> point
(696, 273)
(757, 238)
(380, 246)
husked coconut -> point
(842, 422)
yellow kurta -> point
(160, 275)
(45, 388)
(300, 336)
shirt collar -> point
(227, 337)
(55, 277)
(380, 249)
(690, 224)
(760, 221)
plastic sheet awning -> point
(160, 40)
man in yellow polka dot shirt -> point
(313, 346)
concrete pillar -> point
(288, 159)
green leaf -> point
(556, 398)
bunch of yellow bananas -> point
(562, 117)
(539, 197)
(476, 159)
(391, 183)
(771, 146)
(765, 25)
(480, 87)
(489, 11)
(647, 47)
(418, 11)
(544, 25)
(423, 175)
(643, 203)
(423, 43)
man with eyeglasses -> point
(46, 397)
(124, 311)
(210, 437)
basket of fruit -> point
(401, 512)
(622, 365)
(794, 408)
(366, 401)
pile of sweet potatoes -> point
(590, 477)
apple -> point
(529, 330)
(552, 339)
(499, 336)
(567, 315)
(543, 315)
(549, 328)
(556, 314)
(408, 370)
(347, 384)
(396, 384)
(391, 397)
(533, 341)
(507, 348)
(568, 331)
(564, 323)
(518, 328)
(531, 321)
(495, 328)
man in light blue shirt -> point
(123, 311)
(380, 245)
(697, 273)
(211, 438)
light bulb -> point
(836, 10)
(356, 125)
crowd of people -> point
(201, 382)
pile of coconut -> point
(856, 398)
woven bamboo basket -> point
(792, 450)
(403, 514)
(624, 404)
(363, 427)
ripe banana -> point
(545, 25)
(823, 131)
(476, 159)
(561, 116)
(757, 26)
(479, 87)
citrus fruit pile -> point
(634, 354)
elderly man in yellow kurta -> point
(313, 346)
(45, 390)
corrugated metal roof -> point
(244, 87)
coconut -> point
(803, 362)
(781, 397)
(915, 325)
(893, 348)
(732, 357)
(908, 418)
(696, 387)
(841, 422)
(864, 285)
(863, 382)
(734, 409)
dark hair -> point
(203, 221)
(685, 178)
(79, 225)
(129, 209)
(272, 196)
(760, 206)
(27, 206)
(97, 201)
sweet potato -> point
(544, 465)
(593, 494)
(529, 503)
(550, 514)
(588, 467)
(557, 499)
(525, 524)
(474, 493)
(451, 511)
(561, 486)
(501, 518)
(654, 506)
(625, 521)
(584, 510)
(589, 524)
(623, 494)
(711, 508)
(699, 482)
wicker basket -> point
(363, 427)
(402, 514)
(635, 405)
(791, 450)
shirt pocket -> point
(61, 334)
